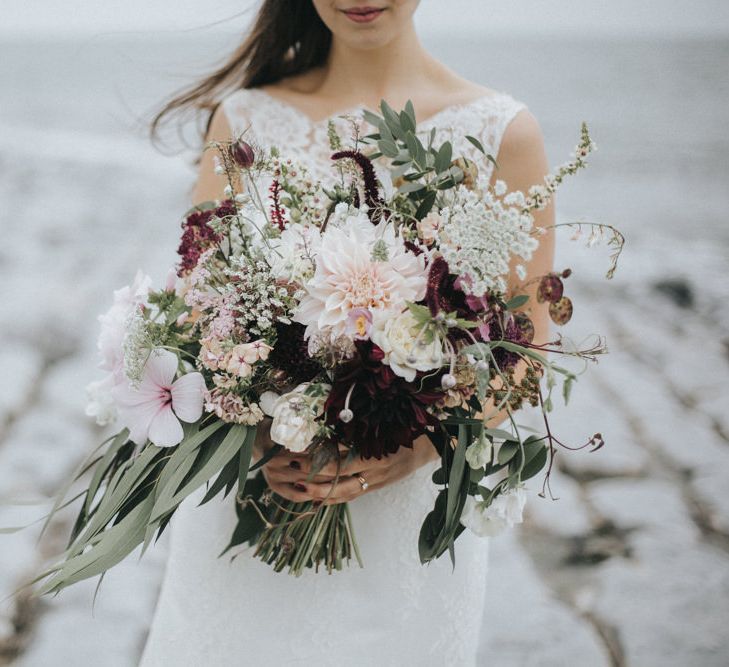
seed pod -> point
(524, 325)
(561, 311)
(242, 154)
(550, 288)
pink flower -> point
(359, 323)
(153, 410)
(359, 267)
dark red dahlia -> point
(387, 412)
(290, 353)
(198, 236)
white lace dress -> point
(214, 612)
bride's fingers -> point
(289, 475)
(290, 492)
(345, 490)
(304, 464)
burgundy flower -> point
(242, 154)
(387, 411)
(373, 199)
(519, 329)
(198, 236)
(277, 216)
(290, 353)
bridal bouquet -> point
(356, 317)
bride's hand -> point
(287, 473)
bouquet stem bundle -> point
(302, 536)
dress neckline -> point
(287, 106)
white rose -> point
(294, 415)
(505, 511)
(397, 336)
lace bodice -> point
(394, 612)
(275, 122)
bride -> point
(305, 65)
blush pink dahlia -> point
(153, 410)
(363, 268)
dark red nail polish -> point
(295, 465)
(299, 487)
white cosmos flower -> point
(505, 511)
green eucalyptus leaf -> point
(426, 205)
(498, 433)
(535, 458)
(407, 122)
(410, 111)
(517, 301)
(476, 143)
(411, 187)
(387, 148)
(507, 451)
(444, 157)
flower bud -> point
(346, 415)
(242, 154)
(448, 381)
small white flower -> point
(428, 227)
(406, 351)
(505, 511)
(294, 415)
(478, 454)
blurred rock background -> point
(630, 567)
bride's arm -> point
(210, 185)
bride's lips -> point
(363, 14)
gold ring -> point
(363, 482)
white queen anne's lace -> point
(480, 233)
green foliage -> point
(138, 493)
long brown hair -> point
(287, 37)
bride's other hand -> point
(376, 473)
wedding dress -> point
(214, 612)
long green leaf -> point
(230, 446)
(455, 479)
